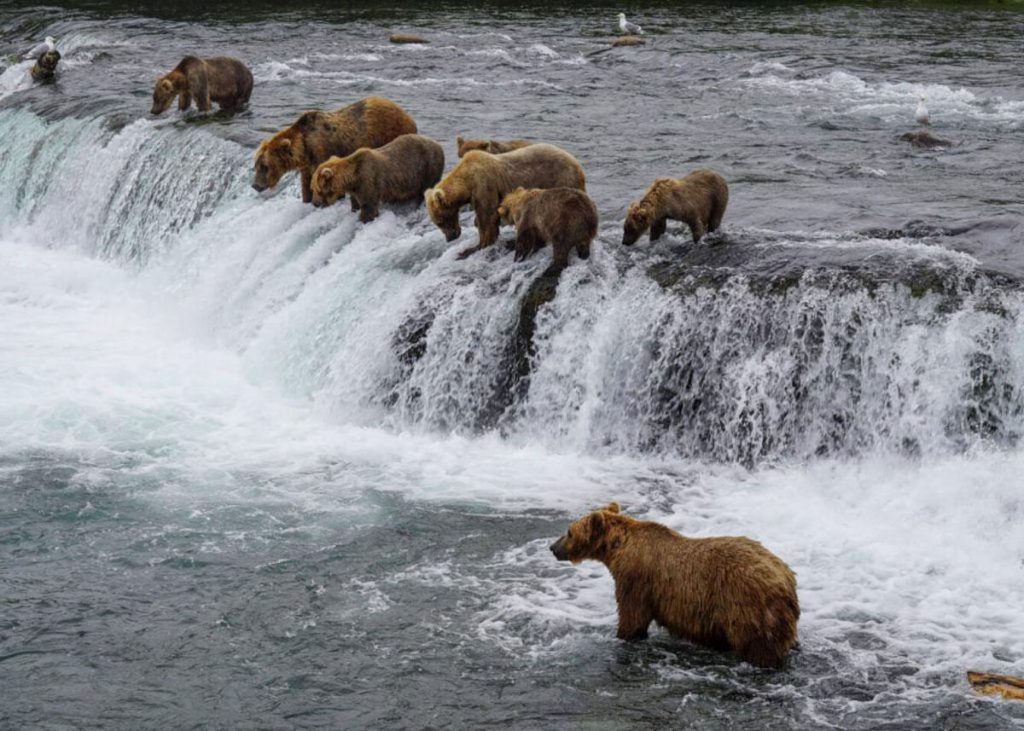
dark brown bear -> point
(495, 147)
(566, 218)
(698, 200)
(317, 136)
(398, 172)
(725, 593)
(224, 80)
(45, 68)
(482, 180)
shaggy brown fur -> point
(398, 172)
(45, 68)
(482, 180)
(566, 218)
(724, 593)
(495, 147)
(698, 200)
(226, 81)
(316, 136)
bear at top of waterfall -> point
(566, 218)
(398, 172)
(482, 180)
(698, 200)
(726, 593)
(495, 147)
(317, 136)
(226, 81)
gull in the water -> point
(921, 115)
(631, 28)
(50, 44)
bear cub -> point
(566, 218)
(727, 593)
(398, 172)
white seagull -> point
(921, 115)
(629, 28)
(50, 44)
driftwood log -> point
(406, 38)
(628, 41)
(991, 684)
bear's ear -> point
(612, 507)
(434, 196)
(326, 174)
(597, 525)
(459, 141)
(503, 212)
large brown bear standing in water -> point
(698, 200)
(398, 172)
(495, 147)
(317, 136)
(566, 218)
(482, 180)
(226, 81)
(724, 593)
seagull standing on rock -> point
(921, 115)
(629, 28)
(50, 44)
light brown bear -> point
(726, 593)
(495, 147)
(224, 80)
(482, 180)
(398, 172)
(566, 218)
(698, 200)
(317, 136)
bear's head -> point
(274, 158)
(444, 213)
(465, 145)
(163, 94)
(512, 204)
(639, 217)
(590, 537)
(334, 178)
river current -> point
(262, 466)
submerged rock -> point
(925, 140)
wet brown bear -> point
(698, 200)
(45, 68)
(495, 147)
(224, 80)
(398, 172)
(317, 136)
(566, 218)
(482, 180)
(724, 593)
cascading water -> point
(321, 461)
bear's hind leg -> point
(697, 229)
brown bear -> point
(727, 593)
(224, 80)
(45, 68)
(925, 140)
(698, 200)
(398, 172)
(566, 218)
(495, 147)
(316, 136)
(482, 180)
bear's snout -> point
(629, 239)
(558, 548)
(450, 236)
(259, 187)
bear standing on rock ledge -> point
(698, 200)
(726, 593)
(224, 80)
(317, 136)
